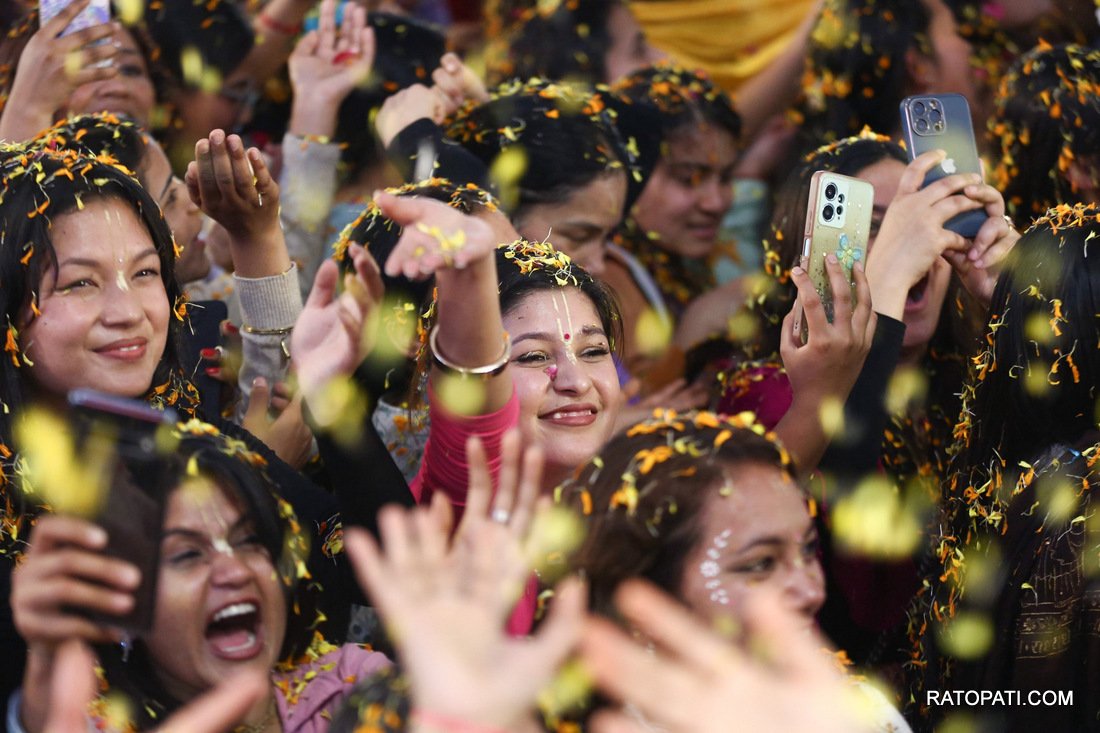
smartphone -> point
(942, 121)
(97, 13)
(133, 512)
(838, 221)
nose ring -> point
(552, 372)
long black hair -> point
(1036, 383)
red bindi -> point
(566, 336)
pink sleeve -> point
(444, 465)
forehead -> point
(200, 504)
(600, 202)
(105, 227)
(763, 501)
(545, 310)
(701, 144)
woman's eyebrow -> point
(89, 262)
(545, 336)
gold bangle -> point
(482, 372)
(266, 331)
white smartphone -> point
(97, 13)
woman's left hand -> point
(445, 603)
(334, 333)
(979, 266)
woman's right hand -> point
(64, 569)
(51, 67)
(912, 236)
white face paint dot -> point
(709, 569)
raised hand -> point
(234, 187)
(456, 82)
(334, 333)
(979, 266)
(912, 238)
(435, 237)
(696, 681)
(326, 65)
(446, 602)
(829, 361)
(51, 67)
(416, 102)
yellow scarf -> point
(701, 33)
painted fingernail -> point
(796, 270)
(230, 328)
(831, 258)
(208, 353)
(213, 371)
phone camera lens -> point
(918, 108)
(921, 125)
(840, 198)
(830, 191)
(935, 116)
(827, 212)
(839, 211)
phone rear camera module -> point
(830, 191)
(827, 212)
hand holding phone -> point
(942, 121)
(838, 222)
(96, 12)
(132, 513)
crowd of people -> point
(461, 366)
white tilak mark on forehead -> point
(567, 328)
(220, 545)
(120, 279)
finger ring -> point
(500, 516)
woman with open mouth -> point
(231, 563)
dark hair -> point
(563, 134)
(1042, 322)
(643, 495)
(525, 267)
(1046, 116)
(238, 473)
(37, 185)
(857, 63)
(571, 42)
(102, 133)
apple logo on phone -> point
(948, 166)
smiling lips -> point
(233, 631)
(571, 415)
(124, 349)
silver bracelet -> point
(482, 372)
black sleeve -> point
(422, 149)
(856, 451)
(364, 477)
